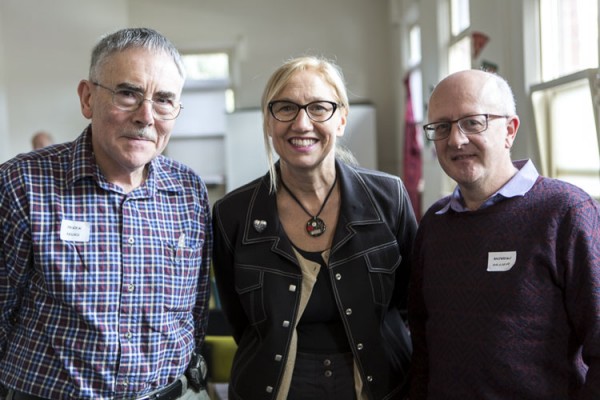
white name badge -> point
(75, 231)
(501, 260)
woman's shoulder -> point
(369, 174)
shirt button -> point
(348, 311)
(338, 277)
(328, 373)
(292, 288)
(370, 378)
(286, 324)
(278, 357)
(130, 287)
(131, 240)
(327, 362)
(128, 335)
(269, 389)
(360, 346)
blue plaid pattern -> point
(112, 317)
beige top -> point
(310, 271)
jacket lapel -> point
(262, 223)
(358, 211)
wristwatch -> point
(196, 372)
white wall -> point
(4, 144)
(47, 46)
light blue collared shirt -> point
(518, 185)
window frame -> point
(543, 124)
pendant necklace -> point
(315, 226)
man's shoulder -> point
(176, 169)
(558, 192)
(373, 176)
(39, 161)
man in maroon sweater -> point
(505, 291)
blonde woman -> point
(311, 259)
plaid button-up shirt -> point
(102, 294)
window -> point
(414, 45)
(206, 67)
(415, 78)
(461, 18)
(412, 155)
(567, 123)
(459, 52)
(568, 36)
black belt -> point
(169, 392)
(25, 396)
(172, 391)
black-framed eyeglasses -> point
(318, 111)
(164, 108)
(469, 125)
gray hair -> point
(132, 38)
(506, 95)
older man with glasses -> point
(104, 265)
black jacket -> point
(259, 280)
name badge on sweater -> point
(499, 261)
(75, 231)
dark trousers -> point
(323, 376)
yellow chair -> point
(219, 347)
(219, 351)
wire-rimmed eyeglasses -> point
(318, 111)
(163, 108)
(469, 125)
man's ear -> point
(511, 130)
(84, 91)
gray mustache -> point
(142, 135)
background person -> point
(106, 244)
(41, 139)
(311, 260)
(505, 288)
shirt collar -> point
(83, 164)
(518, 185)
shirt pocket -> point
(382, 264)
(249, 287)
(180, 279)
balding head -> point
(470, 91)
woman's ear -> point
(343, 120)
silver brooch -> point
(260, 225)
